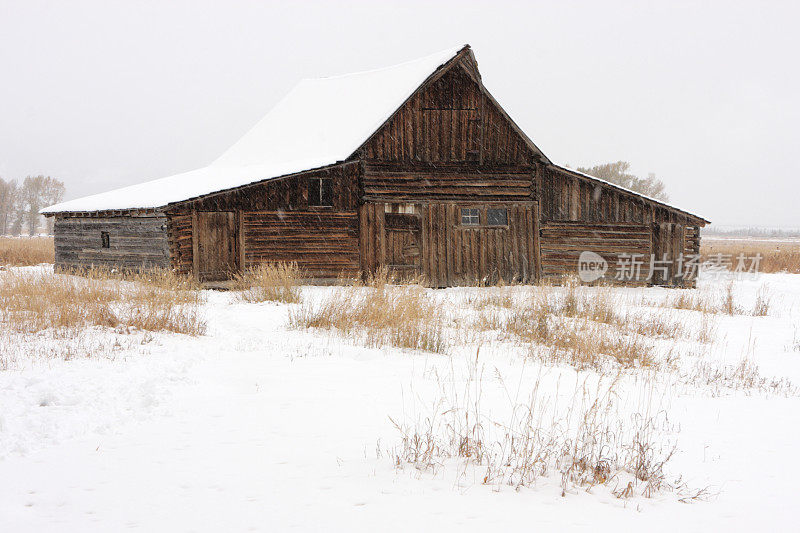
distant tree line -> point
(752, 232)
(618, 174)
(20, 204)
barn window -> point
(320, 192)
(470, 216)
(497, 216)
(105, 242)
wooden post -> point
(195, 248)
(536, 267)
(240, 237)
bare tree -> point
(52, 193)
(17, 212)
(31, 197)
(618, 173)
(8, 194)
(38, 192)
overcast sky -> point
(104, 94)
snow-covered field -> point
(256, 426)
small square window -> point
(320, 192)
(105, 242)
(497, 216)
(470, 216)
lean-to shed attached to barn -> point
(415, 167)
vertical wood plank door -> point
(403, 244)
(467, 254)
(216, 245)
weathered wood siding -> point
(134, 242)
(449, 252)
(277, 223)
(451, 120)
(456, 182)
(324, 245)
(568, 197)
(563, 242)
(576, 209)
(455, 254)
(179, 231)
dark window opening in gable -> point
(497, 216)
(105, 241)
(320, 192)
(470, 216)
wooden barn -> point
(414, 167)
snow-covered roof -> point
(320, 122)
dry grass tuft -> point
(273, 282)
(385, 316)
(26, 251)
(744, 376)
(763, 301)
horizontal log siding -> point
(179, 231)
(288, 194)
(324, 245)
(691, 245)
(277, 223)
(454, 183)
(135, 243)
(562, 244)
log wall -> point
(324, 245)
(277, 223)
(134, 242)
(404, 183)
(563, 242)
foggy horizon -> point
(103, 94)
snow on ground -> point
(255, 427)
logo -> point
(591, 266)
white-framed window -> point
(470, 216)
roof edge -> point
(629, 191)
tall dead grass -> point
(31, 302)
(725, 302)
(584, 441)
(378, 315)
(775, 256)
(26, 251)
(272, 282)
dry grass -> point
(584, 441)
(380, 315)
(26, 251)
(273, 282)
(775, 256)
(744, 376)
(691, 300)
(714, 304)
(584, 327)
(31, 302)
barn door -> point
(215, 234)
(403, 247)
